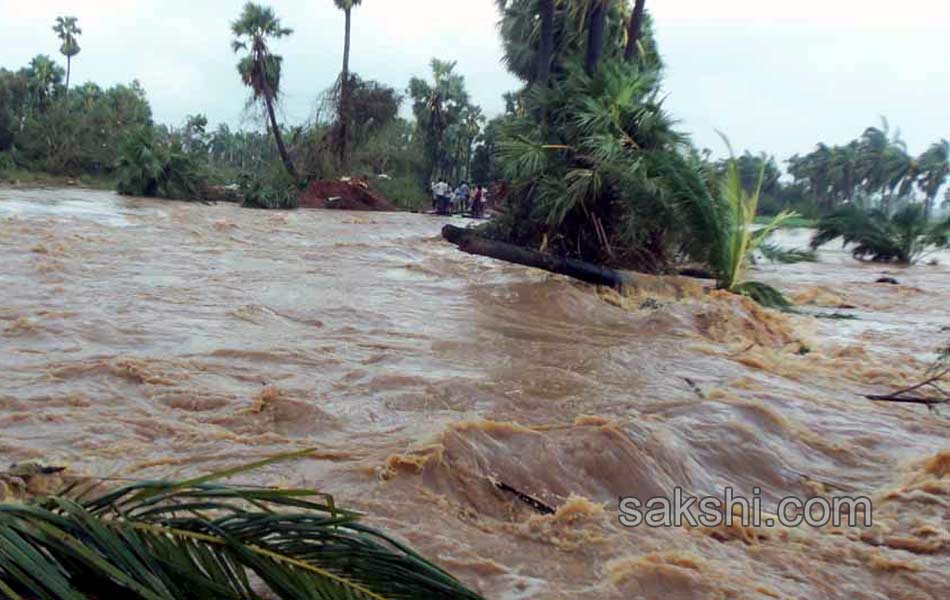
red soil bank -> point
(343, 195)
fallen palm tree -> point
(470, 242)
(171, 540)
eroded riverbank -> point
(142, 338)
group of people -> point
(446, 201)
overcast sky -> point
(774, 76)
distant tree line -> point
(43, 129)
(46, 127)
(872, 172)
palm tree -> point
(934, 165)
(588, 182)
(813, 169)
(260, 69)
(902, 238)
(438, 106)
(886, 168)
(344, 107)
(44, 76)
(67, 31)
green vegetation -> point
(774, 253)
(447, 122)
(735, 240)
(597, 170)
(405, 192)
(874, 171)
(20, 176)
(796, 222)
(198, 539)
(151, 167)
(43, 130)
(275, 192)
(903, 237)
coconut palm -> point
(344, 105)
(260, 68)
(813, 170)
(903, 238)
(67, 31)
(934, 167)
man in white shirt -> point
(442, 193)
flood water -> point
(142, 338)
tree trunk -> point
(345, 94)
(578, 269)
(275, 128)
(69, 67)
(633, 31)
(546, 51)
(595, 36)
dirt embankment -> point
(345, 195)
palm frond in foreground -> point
(200, 540)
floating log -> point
(469, 242)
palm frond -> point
(763, 293)
(168, 540)
(902, 238)
(775, 253)
(523, 158)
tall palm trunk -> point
(345, 95)
(546, 52)
(633, 31)
(275, 128)
(69, 67)
(595, 36)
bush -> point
(149, 167)
(6, 163)
(274, 192)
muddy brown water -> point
(142, 338)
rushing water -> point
(142, 338)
